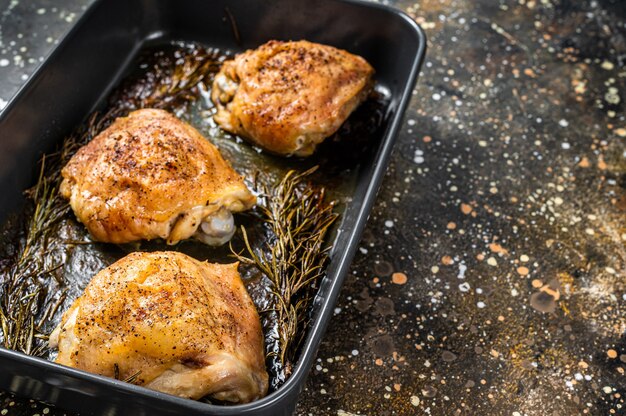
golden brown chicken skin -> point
(287, 97)
(185, 327)
(150, 175)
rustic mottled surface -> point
(491, 278)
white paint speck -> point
(355, 352)
(41, 11)
(388, 223)
(436, 97)
(464, 287)
(563, 123)
(612, 96)
(565, 145)
(481, 304)
(341, 412)
(462, 270)
(419, 156)
(4, 62)
(3, 104)
(607, 65)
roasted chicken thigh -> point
(182, 326)
(287, 97)
(150, 175)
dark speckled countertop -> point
(491, 278)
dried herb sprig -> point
(298, 218)
(25, 303)
(130, 379)
(170, 81)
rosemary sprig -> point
(130, 379)
(24, 297)
(133, 377)
(293, 259)
(170, 81)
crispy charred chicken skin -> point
(150, 175)
(182, 326)
(287, 97)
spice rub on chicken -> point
(287, 97)
(150, 175)
(182, 326)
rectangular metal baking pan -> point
(89, 62)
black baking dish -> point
(81, 72)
